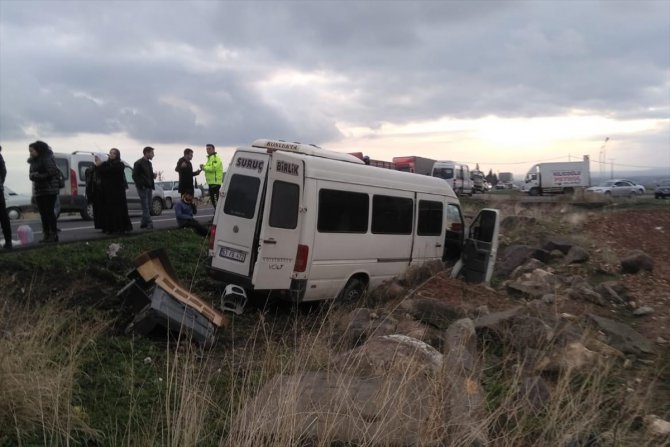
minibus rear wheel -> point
(353, 291)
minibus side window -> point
(392, 215)
(284, 205)
(241, 196)
(430, 218)
(342, 212)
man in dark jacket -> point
(143, 175)
(186, 174)
(4, 217)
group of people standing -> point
(106, 190)
(213, 169)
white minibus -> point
(306, 224)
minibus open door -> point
(480, 248)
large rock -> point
(466, 404)
(342, 408)
(637, 261)
(576, 255)
(582, 291)
(390, 354)
(528, 267)
(557, 243)
(511, 258)
(572, 357)
(360, 324)
(613, 292)
(431, 311)
(534, 285)
(410, 394)
(623, 337)
(498, 320)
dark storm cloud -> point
(137, 67)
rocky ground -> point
(583, 296)
(607, 238)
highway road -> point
(73, 228)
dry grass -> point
(259, 393)
(40, 348)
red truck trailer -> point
(418, 165)
(371, 162)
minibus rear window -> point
(284, 207)
(241, 196)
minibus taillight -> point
(456, 226)
(301, 258)
(73, 182)
(212, 236)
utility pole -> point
(602, 160)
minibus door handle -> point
(438, 245)
(269, 241)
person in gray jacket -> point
(4, 217)
(46, 184)
(143, 176)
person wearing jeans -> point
(46, 184)
(143, 175)
(213, 169)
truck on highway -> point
(372, 162)
(456, 174)
(563, 177)
(417, 165)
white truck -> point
(304, 223)
(558, 177)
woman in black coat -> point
(94, 195)
(46, 185)
(113, 182)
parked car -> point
(17, 203)
(639, 187)
(73, 194)
(662, 189)
(618, 188)
(171, 193)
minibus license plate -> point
(235, 255)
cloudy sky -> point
(499, 83)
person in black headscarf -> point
(113, 183)
(46, 184)
(94, 195)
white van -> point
(456, 174)
(310, 224)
